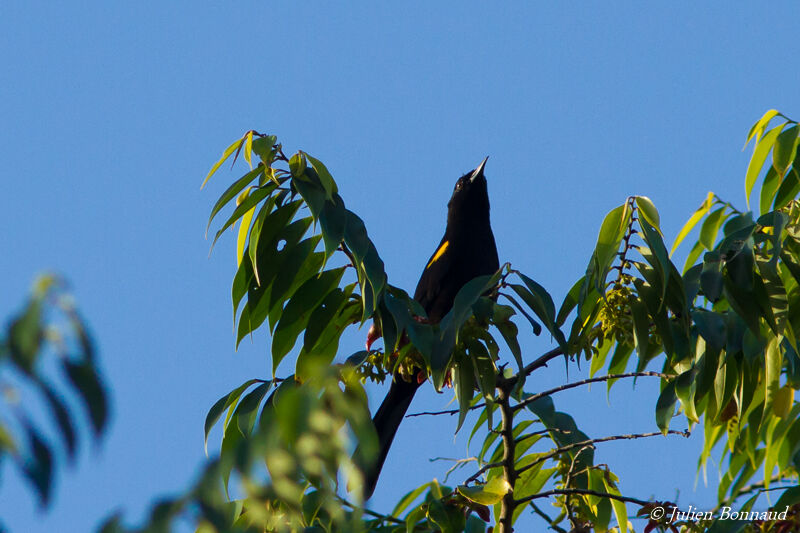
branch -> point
(567, 480)
(481, 470)
(541, 361)
(384, 517)
(458, 463)
(507, 505)
(747, 489)
(591, 442)
(534, 397)
(446, 412)
(544, 515)
(542, 432)
(585, 492)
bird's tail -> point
(388, 418)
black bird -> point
(466, 251)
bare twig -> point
(458, 463)
(591, 442)
(567, 480)
(540, 362)
(384, 517)
(445, 412)
(542, 432)
(483, 469)
(747, 489)
(549, 520)
(585, 492)
(534, 397)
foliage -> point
(723, 333)
(47, 333)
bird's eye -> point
(459, 185)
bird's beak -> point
(478, 171)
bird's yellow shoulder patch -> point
(439, 253)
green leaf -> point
(490, 493)
(466, 297)
(251, 201)
(485, 369)
(711, 277)
(542, 305)
(641, 328)
(710, 228)
(248, 148)
(785, 149)
(87, 384)
(464, 386)
(297, 265)
(648, 212)
(244, 231)
(537, 328)
(62, 418)
(323, 316)
(758, 127)
(332, 222)
(38, 468)
(25, 335)
(225, 155)
(263, 147)
(608, 241)
(768, 189)
(324, 176)
(760, 153)
(247, 409)
(790, 497)
(413, 518)
(232, 191)
(255, 236)
(665, 407)
(711, 326)
(662, 264)
(310, 188)
(773, 361)
(510, 332)
(529, 483)
(223, 403)
(408, 499)
(565, 431)
(701, 211)
(310, 361)
(570, 302)
(685, 391)
(298, 311)
(691, 259)
(620, 512)
(788, 190)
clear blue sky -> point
(112, 114)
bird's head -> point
(470, 198)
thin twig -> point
(458, 463)
(585, 492)
(445, 412)
(567, 480)
(591, 442)
(549, 520)
(540, 362)
(484, 468)
(747, 489)
(542, 432)
(385, 517)
(534, 397)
